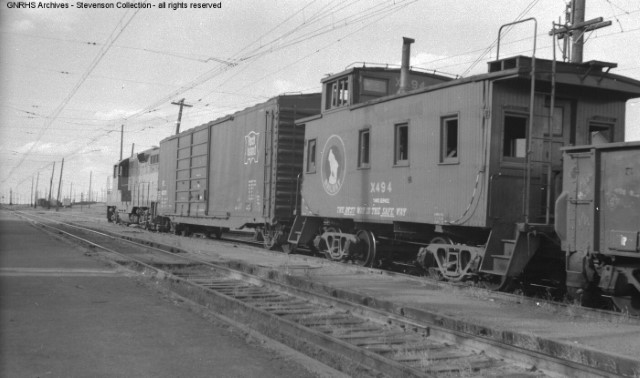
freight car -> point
(598, 222)
(461, 173)
(133, 197)
(239, 171)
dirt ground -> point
(64, 313)
(566, 326)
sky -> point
(72, 77)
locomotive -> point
(462, 177)
(133, 197)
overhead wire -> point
(529, 7)
(115, 34)
(264, 52)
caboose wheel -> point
(330, 249)
(366, 254)
(441, 239)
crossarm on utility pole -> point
(181, 104)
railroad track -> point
(535, 299)
(353, 338)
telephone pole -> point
(576, 27)
(59, 185)
(51, 185)
(182, 104)
(35, 203)
(121, 139)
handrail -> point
(527, 180)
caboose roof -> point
(370, 69)
(592, 74)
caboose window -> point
(337, 93)
(600, 132)
(311, 156)
(449, 140)
(374, 86)
(515, 136)
(363, 149)
(401, 150)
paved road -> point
(65, 314)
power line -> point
(115, 34)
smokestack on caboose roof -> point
(404, 69)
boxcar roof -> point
(229, 117)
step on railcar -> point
(461, 174)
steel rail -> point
(237, 290)
(586, 312)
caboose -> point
(461, 173)
(134, 193)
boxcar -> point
(134, 192)
(464, 172)
(239, 171)
(598, 220)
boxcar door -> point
(191, 174)
(267, 191)
(199, 173)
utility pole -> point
(51, 185)
(133, 146)
(182, 104)
(121, 139)
(576, 27)
(31, 197)
(35, 203)
(59, 185)
(10, 196)
(90, 178)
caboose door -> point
(549, 133)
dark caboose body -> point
(464, 173)
(134, 192)
(237, 171)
